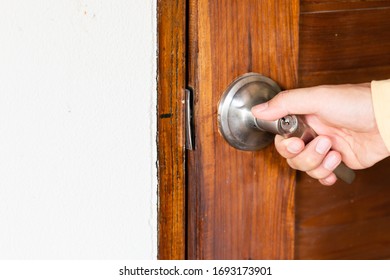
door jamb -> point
(171, 82)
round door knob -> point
(235, 120)
(244, 132)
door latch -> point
(189, 122)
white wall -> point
(77, 129)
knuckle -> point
(279, 139)
(328, 181)
(318, 173)
(290, 162)
(281, 147)
(282, 98)
(309, 163)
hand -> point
(344, 119)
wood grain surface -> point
(338, 5)
(344, 221)
(240, 204)
(347, 46)
(344, 42)
(171, 153)
(244, 205)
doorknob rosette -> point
(235, 120)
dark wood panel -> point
(171, 84)
(345, 221)
(241, 204)
(310, 6)
(353, 76)
(344, 47)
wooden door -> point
(230, 204)
(241, 204)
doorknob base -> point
(235, 120)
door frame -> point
(171, 83)
(172, 80)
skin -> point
(342, 116)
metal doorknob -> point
(245, 132)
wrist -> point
(380, 92)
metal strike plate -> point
(190, 139)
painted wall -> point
(77, 129)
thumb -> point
(295, 101)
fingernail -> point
(323, 146)
(332, 162)
(294, 147)
(260, 108)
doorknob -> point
(245, 132)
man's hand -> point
(344, 119)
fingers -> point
(290, 147)
(328, 181)
(304, 158)
(294, 101)
(326, 167)
(315, 158)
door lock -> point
(245, 132)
